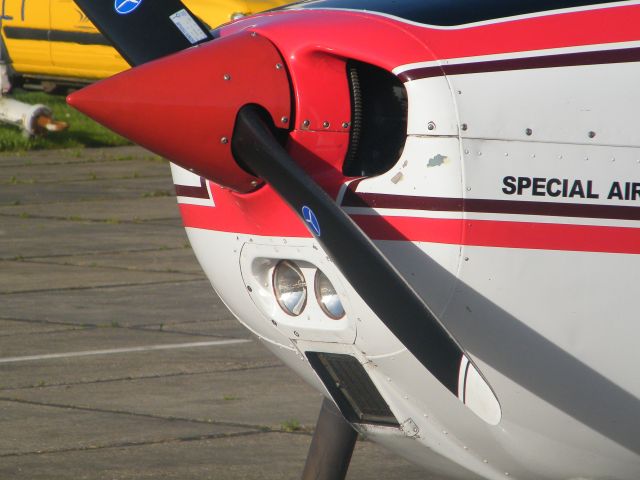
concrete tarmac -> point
(117, 359)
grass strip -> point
(82, 132)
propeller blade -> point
(144, 30)
(376, 280)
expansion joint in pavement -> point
(82, 219)
(98, 253)
(184, 439)
(43, 261)
(136, 414)
(144, 377)
(103, 287)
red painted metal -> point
(479, 233)
(263, 215)
(317, 45)
(314, 46)
(390, 42)
(184, 106)
(315, 36)
(321, 154)
(322, 97)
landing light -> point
(289, 287)
(327, 296)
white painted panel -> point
(182, 176)
(558, 104)
(219, 257)
(429, 166)
(584, 303)
(431, 107)
(555, 333)
(488, 162)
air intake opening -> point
(352, 389)
(378, 120)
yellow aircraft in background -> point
(53, 42)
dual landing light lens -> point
(290, 288)
(327, 296)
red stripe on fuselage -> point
(548, 30)
(221, 220)
(481, 233)
(503, 234)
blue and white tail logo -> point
(124, 7)
(311, 220)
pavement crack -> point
(100, 287)
(169, 418)
(40, 332)
(180, 439)
(114, 267)
(151, 221)
(156, 329)
(67, 158)
(82, 180)
(48, 322)
(89, 254)
(144, 377)
(177, 323)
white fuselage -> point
(536, 274)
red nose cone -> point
(184, 106)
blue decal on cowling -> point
(311, 220)
(124, 7)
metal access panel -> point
(351, 388)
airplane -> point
(428, 210)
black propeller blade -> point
(378, 283)
(144, 30)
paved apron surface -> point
(117, 359)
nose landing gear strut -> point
(332, 446)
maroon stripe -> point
(408, 202)
(480, 205)
(624, 55)
(193, 192)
